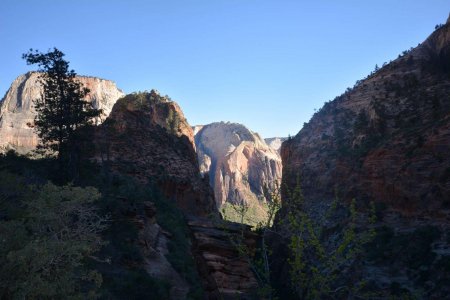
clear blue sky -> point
(266, 64)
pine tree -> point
(61, 109)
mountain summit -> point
(17, 109)
(239, 164)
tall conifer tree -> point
(61, 109)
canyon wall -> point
(385, 141)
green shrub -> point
(47, 238)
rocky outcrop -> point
(387, 140)
(275, 143)
(153, 243)
(227, 273)
(17, 109)
(238, 162)
(147, 137)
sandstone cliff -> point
(147, 137)
(17, 109)
(387, 140)
(226, 273)
(239, 164)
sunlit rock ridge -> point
(17, 109)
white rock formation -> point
(238, 161)
(275, 143)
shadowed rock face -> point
(147, 137)
(238, 161)
(17, 109)
(386, 140)
(225, 272)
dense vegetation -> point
(71, 228)
(97, 254)
(47, 233)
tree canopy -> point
(47, 234)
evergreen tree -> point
(61, 109)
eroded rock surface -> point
(238, 161)
(153, 243)
(226, 274)
(17, 109)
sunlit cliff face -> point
(17, 109)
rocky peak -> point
(223, 137)
(17, 109)
(146, 136)
(239, 163)
(158, 110)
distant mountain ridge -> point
(275, 142)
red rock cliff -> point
(147, 137)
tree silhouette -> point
(61, 109)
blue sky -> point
(266, 64)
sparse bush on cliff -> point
(324, 261)
(259, 260)
(393, 249)
(173, 122)
(125, 276)
(325, 266)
